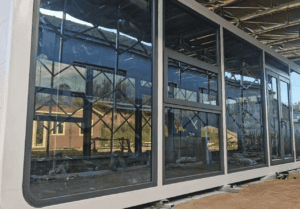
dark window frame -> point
(197, 63)
(28, 196)
(193, 106)
(281, 76)
(263, 98)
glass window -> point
(189, 33)
(285, 121)
(295, 79)
(191, 143)
(273, 62)
(273, 117)
(58, 128)
(189, 83)
(243, 86)
(93, 97)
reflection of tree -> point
(296, 106)
(124, 91)
(103, 90)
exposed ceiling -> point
(275, 23)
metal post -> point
(87, 113)
(179, 130)
(62, 29)
(114, 84)
(208, 88)
(50, 111)
(138, 118)
(62, 32)
(180, 122)
(170, 123)
(241, 132)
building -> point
(114, 104)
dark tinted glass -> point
(243, 88)
(192, 143)
(273, 117)
(190, 83)
(93, 97)
(191, 34)
(272, 61)
(285, 122)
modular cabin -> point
(115, 104)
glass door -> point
(279, 116)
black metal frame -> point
(281, 76)
(30, 198)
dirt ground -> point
(266, 195)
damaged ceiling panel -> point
(275, 23)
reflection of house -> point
(68, 135)
(296, 117)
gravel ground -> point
(265, 195)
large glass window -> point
(285, 121)
(243, 86)
(93, 97)
(191, 95)
(276, 63)
(273, 117)
(279, 111)
(295, 78)
(189, 33)
(190, 83)
(192, 143)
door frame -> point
(280, 76)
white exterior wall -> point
(6, 18)
(13, 126)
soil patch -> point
(272, 194)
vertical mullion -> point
(224, 163)
(160, 95)
(292, 117)
(265, 113)
(280, 116)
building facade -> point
(137, 101)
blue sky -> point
(295, 80)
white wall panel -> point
(6, 8)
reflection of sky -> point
(238, 77)
(295, 81)
(295, 78)
(73, 19)
(284, 92)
